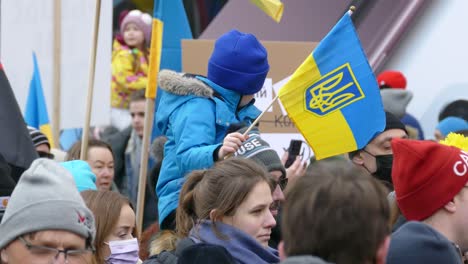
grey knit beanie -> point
(395, 101)
(259, 150)
(46, 198)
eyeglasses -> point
(48, 254)
(282, 183)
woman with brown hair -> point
(101, 160)
(116, 240)
(228, 205)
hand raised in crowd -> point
(231, 144)
(296, 170)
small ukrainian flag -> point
(333, 97)
(36, 109)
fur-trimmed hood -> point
(183, 84)
(179, 88)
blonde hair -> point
(106, 207)
(166, 240)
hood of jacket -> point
(395, 101)
(183, 84)
(178, 88)
(417, 242)
(305, 259)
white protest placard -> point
(265, 95)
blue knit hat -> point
(82, 174)
(451, 124)
(239, 63)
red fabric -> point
(122, 15)
(426, 176)
(393, 79)
(202, 9)
(120, 39)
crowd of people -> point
(217, 194)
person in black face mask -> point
(377, 156)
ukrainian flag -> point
(333, 97)
(36, 109)
(170, 26)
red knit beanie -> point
(392, 79)
(426, 176)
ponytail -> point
(186, 215)
(216, 192)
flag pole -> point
(57, 70)
(260, 116)
(89, 99)
(148, 126)
(150, 94)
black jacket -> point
(119, 142)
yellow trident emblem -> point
(333, 91)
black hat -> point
(391, 122)
(258, 150)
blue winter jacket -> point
(194, 114)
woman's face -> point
(123, 229)
(253, 215)
(102, 164)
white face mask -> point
(123, 251)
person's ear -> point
(358, 159)
(382, 251)
(3, 256)
(213, 215)
(451, 207)
(282, 253)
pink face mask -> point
(123, 251)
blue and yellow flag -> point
(333, 97)
(170, 26)
(36, 109)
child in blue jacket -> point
(194, 113)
